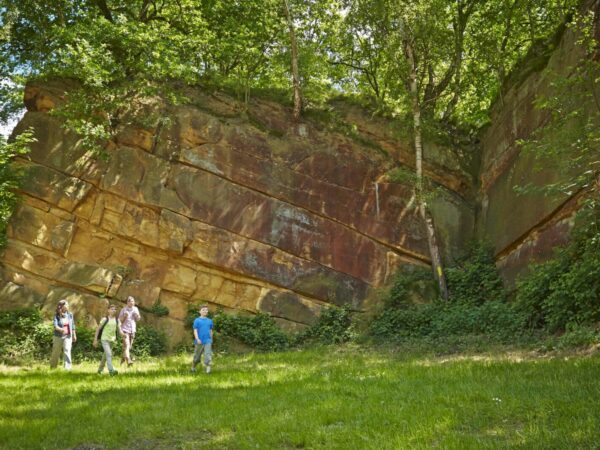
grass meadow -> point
(333, 398)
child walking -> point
(64, 335)
(108, 331)
(203, 335)
(128, 317)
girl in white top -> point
(128, 316)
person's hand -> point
(74, 338)
(125, 315)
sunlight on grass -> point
(325, 398)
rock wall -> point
(209, 205)
(524, 228)
(204, 203)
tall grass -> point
(343, 397)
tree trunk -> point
(295, 71)
(436, 260)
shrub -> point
(411, 286)
(565, 290)
(403, 322)
(158, 309)
(334, 326)
(259, 332)
(441, 319)
(24, 336)
(475, 279)
(83, 349)
(477, 304)
(578, 336)
(149, 342)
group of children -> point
(111, 327)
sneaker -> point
(113, 373)
(99, 371)
(207, 369)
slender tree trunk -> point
(295, 71)
(434, 250)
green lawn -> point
(342, 398)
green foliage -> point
(477, 304)
(158, 309)
(410, 287)
(578, 337)
(567, 146)
(438, 320)
(334, 326)
(10, 177)
(121, 50)
(83, 349)
(474, 279)
(566, 289)
(149, 342)
(24, 336)
(259, 331)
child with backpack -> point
(108, 332)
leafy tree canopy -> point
(117, 49)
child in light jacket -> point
(107, 332)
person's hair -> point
(130, 297)
(202, 306)
(59, 306)
(110, 306)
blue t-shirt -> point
(203, 325)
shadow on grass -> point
(336, 400)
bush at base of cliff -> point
(334, 326)
(411, 286)
(474, 279)
(258, 332)
(23, 336)
(495, 319)
(149, 342)
(477, 304)
(578, 336)
(565, 291)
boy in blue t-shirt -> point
(203, 334)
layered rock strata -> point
(524, 228)
(205, 205)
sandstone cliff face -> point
(524, 228)
(207, 206)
